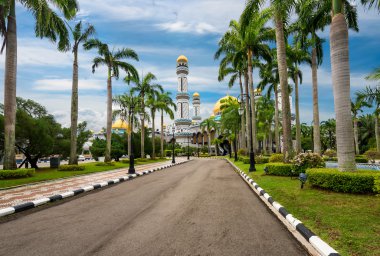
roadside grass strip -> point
(322, 247)
(35, 203)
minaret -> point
(197, 108)
(182, 121)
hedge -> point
(105, 164)
(276, 158)
(359, 159)
(15, 174)
(71, 167)
(360, 181)
(280, 169)
(258, 159)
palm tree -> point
(144, 88)
(80, 35)
(48, 24)
(356, 108)
(328, 129)
(113, 60)
(165, 105)
(207, 125)
(265, 114)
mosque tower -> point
(182, 121)
(197, 108)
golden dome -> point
(182, 58)
(120, 124)
(218, 104)
(196, 94)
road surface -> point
(198, 208)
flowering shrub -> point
(242, 152)
(330, 153)
(276, 158)
(304, 161)
(372, 154)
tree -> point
(166, 104)
(356, 108)
(265, 114)
(144, 88)
(230, 120)
(80, 35)
(113, 60)
(328, 131)
(207, 125)
(48, 24)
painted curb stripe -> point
(322, 247)
(38, 202)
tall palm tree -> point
(144, 88)
(48, 24)
(113, 60)
(356, 108)
(166, 105)
(265, 114)
(80, 35)
(207, 125)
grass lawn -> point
(51, 174)
(349, 223)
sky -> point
(159, 31)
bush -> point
(280, 169)
(105, 164)
(125, 161)
(330, 153)
(203, 155)
(15, 174)
(361, 159)
(304, 161)
(347, 182)
(168, 152)
(261, 159)
(242, 152)
(141, 160)
(71, 167)
(276, 158)
(372, 154)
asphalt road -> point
(198, 208)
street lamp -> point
(173, 157)
(142, 117)
(252, 167)
(131, 169)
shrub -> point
(203, 155)
(280, 169)
(105, 164)
(242, 152)
(141, 160)
(372, 154)
(304, 161)
(125, 161)
(168, 152)
(71, 167)
(330, 153)
(261, 159)
(348, 182)
(245, 160)
(15, 174)
(361, 159)
(276, 158)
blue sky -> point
(159, 31)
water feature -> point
(373, 167)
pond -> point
(374, 167)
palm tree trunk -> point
(265, 144)
(283, 72)
(243, 142)
(276, 122)
(10, 91)
(298, 125)
(142, 128)
(162, 133)
(252, 96)
(270, 139)
(249, 123)
(209, 142)
(130, 130)
(356, 136)
(74, 110)
(153, 136)
(317, 132)
(377, 132)
(340, 67)
(109, 117)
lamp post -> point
(131, 169)
(173, 157)
(188, 152)
(142, 117)
(252, 167)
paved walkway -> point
(15, 196)
(197, 208)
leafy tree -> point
(165, 105)
(98, 147)
(356, 108)
(48, 24)
(113, 60)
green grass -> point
(44, 174)
(349, 223)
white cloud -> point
(66, 85)
(182, 27)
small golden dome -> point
(182, 58)
(218, 104)
(120, 124)
(196, 94)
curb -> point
(317, 243)
(44, 200)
